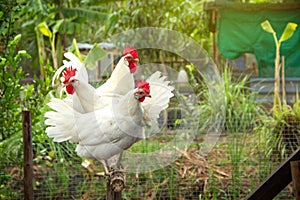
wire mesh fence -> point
(234, 167)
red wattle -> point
(132, 67)
(142, 99)
(70, 89)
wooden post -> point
(295, 169)
(114, 186)
(28, 157)
(276, 181)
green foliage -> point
(287, 33)
(9, 10)
(241, 114)
(95, 54)
(5, 192)
(33, 97)
(240, 109)
(74, 49)
(16, 95)
(284, 131)
(43, 28)
(186, 17)
(46, 25)
(281, 132)
(95, 21)
(11, 75)
(267, 27)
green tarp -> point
(240, 32)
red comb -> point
(130, 50)
(143, 85)
(68, 73)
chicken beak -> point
(136, 60)
(148, 96)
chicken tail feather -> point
(61, 121)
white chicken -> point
(85, 98)
(107, 132)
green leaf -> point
(288, 31)
(2, 61)
(43, 28)
(1, 14)
(74, 49)
(23, 53)
(28, 23)
(13, 43)
(51, 154)
(57, 25)
(267, 27)
(95, 54)
(17, 38)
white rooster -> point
(107, 132)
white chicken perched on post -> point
(100, 120)
(107, 132)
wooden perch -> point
(115, 185)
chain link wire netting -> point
(236, 165)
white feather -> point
(61, 121)
(120, 82)
(161, 93)
(100, 134)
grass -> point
(146, 146)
